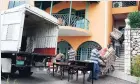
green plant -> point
(134, 18)
(136, 66)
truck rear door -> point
(11, 29)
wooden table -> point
(86, 65)
(62, 65)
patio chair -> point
(110, 58)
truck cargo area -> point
(29, 39)
(37, 33)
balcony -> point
(117, 4)
(72, 25)
(73, 21)
(121, 7)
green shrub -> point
(136, 66)
(134, 18)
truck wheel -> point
(26, 72)
(13, 69)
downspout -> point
(40, 6)
(106, 24)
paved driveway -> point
(45, 78)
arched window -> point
(63, 47)
(84, 50)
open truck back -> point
(28, 36)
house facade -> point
(83, 24)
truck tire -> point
(13, 69)
(26, 72)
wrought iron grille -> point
(117, 4)
(75, 21)
(84, 50)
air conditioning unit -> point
(117, 4)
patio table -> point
(62, 66)
(84, 66)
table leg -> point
(61, 71)
(77, 75)
(53, 69)
(68, 74)
(92, 73)
(83, 77)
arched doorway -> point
(63, 47)
(84, 50)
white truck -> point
(28, 36)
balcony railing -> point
(117, 4)
(75, 21)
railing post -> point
(70, 12)
(51, 7)
(86, 15)
(40, 6)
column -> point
(51, 7)
(86, 16)
(70, 12)
(127, 49)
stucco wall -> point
(110, 21)
(4, 4)
(124, 9)
(96, 17)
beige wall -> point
(31, 2)
(96, 17)
(4, 4)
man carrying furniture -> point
(96, 58)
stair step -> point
(119, 67)
(120, 59)
(119, 64)
(120, 70)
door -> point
(11, 29)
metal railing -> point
(117, 4)
(75, 21)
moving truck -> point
(28, 38)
